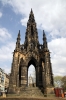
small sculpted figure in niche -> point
(30, 81)
(43, 65)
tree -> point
(57, 81)
(64, 83)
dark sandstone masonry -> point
(31, 52)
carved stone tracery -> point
(31, 52)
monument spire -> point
(44, 41)
(18, 40)
(31, 36)
(31, 16)
(31, 52)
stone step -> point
(31, 92)
(28, 92)
(29, 88)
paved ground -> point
(30, 98)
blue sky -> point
(50, 16)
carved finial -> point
(31, 10)
(19, 31)
(19, 34)
(44, 36)
(18, 38)
(44, 40)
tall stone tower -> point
(31, 52)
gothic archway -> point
(34, 62)
(31, 76)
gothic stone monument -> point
(31, 52)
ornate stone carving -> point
(31, 52)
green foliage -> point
(64, 82)
(57, 81)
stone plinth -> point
(50, 92)
(4, 95)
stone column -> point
(23, 76)
(18, 80)
(49, 85)
(43, 78)
(40, 76)
(47, 67)
(37, 76)
(43, 74)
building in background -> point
(4, 81)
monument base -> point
(4, 95)
(49, 92)
(13, 90)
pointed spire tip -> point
(43, 33)
(31, 10)
(19, 33)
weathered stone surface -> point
(31, 52)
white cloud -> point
(4, 34)
(0, 14)
(58, 55)
(49, 15)
(6, 51)
(7, 47)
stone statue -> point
(42, 65)
(30, 80)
